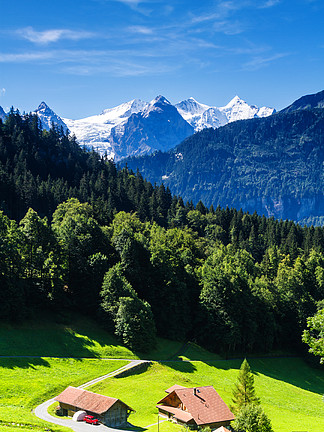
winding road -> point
(41, 410)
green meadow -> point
(76, 337)
(289, 389)
(27, 382)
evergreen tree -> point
(244, 391)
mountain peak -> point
(190, 107)
(48, 117)
(235, 101)
(160, 99)
(43, 106)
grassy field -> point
(27, 382)
(78, 337)
(290, 391)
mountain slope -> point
(202, 116)
(3, 115)
(114, 131)
(94, 132)
(158, 127)
(48, 117)
(273, 165)
(306, 102)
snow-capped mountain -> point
(48, 117)
(201, 116)
(118, 134)
(238, 109)
(159, 126)
(95, 131)
(137, 127)
(3, 115)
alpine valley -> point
(136, 128)
(271, 165)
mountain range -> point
(272, 165)
(137, 127)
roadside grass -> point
(289, 389)
(76, 337)
(27, 382)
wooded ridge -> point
(271, 165)
(78, 233)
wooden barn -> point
(195, 407)
(110, 411)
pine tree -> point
(244, 392)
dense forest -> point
(78, 233)
(273, 165)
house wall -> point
(68, 409)
(172, 400)
(116, 415)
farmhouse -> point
(195, 407)
(110, 411)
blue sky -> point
(83, 56)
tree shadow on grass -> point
(23, 362)
(291, 370)
(135, 370)
(130, 427)
(180, 365)
(50, 337)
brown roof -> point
(174, 387)
(203, 403)
(87, 400)
(178, 413)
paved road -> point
(41, 410)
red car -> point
(91, 420)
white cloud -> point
(2, 91)
(259, 62)
(54, 35)
(141, 30)
(269, 3)
(120, 68)
(25, 57)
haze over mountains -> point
(137, 127)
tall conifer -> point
(244, 391)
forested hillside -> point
(142, 261)
(272, 165)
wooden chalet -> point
(195, 407)
(110, 411)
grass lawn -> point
(78, 337)
(26, 382)
(289, 389)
